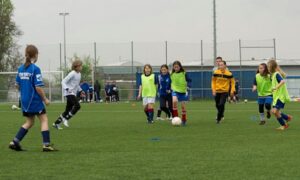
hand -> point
(168, 91)
(138, 97)
(214, 93)
(82, 94)
(253, 89)
(232, 94)
(47, 102)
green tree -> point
(9, 54)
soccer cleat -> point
(15, 146)
(66, 123)
(150, 121)
(160, 118)
(282, 128)
(268, 114)
(57, 126)
(262, 123)
(289, 118)
(48, 148)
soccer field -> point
(113, 141)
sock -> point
(146, 112)
(46, 137)
(262, 116)
(158, 113)
(151, 114)
(175, 112)
(59, 120)
(183, 118)
(20, 135)
(281, 121)
(284, 116)
(166, 110)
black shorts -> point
(32, 114)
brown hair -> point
(30, 52)
(266, 71)
(149, 66)
(219, 57)
(179, 64)
(76, 63)
(273, 67)
(164, 66)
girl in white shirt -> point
(71, 87)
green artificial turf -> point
(113, 141)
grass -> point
(113, 141)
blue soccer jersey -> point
(27, 79)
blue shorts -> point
(181, 96)
(265, 100)
(279, 105)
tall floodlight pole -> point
(64, 14)
(215, 29)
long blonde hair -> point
(274, 67)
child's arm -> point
(280, 81)
(254, 87)
(66, 80)
(213, 85)
(188, 80)
(42, 94)
(232, 81)
(140, 92)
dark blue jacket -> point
(164, 84)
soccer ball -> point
(176, 121)
(246, 100)
(14, 107)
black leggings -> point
(261, 107)
(72, 107)
(163, 104)
(220, 100)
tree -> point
(9, 50)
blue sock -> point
(46, 137)
(281, 121)
(284, 116)
(151, 114)
(20, 135)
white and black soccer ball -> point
(14, 107)
(246, 100)
(176, 121)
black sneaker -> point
(262, 123)
(15, 146)
(48, 148)
(268, 114)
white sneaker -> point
(160, 118)
(66, 123)
(57, 126)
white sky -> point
(156, 21)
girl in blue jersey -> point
(33, 99)
(164, 90)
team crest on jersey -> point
(39, 77)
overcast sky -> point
(159, 20)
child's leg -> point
(68, 108)
(150, 111)
(24, 129)
(183, 114)
(44, 129)
(76, 107)
(278, 116)
(261, 112)
(146, 111)
(268, 107)
(286, 117)
(163, 106)
(170, 104)
(175, 103)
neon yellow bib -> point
(148, 86)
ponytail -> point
(31, 52)
(281, 72)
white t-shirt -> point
(70, 83)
